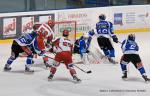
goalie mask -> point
(131, 37)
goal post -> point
(68, 25)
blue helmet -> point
(131, 37)
(102, 17)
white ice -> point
(105, 79)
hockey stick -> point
(73, 65)
(82, 69)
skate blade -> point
(77, 82)
(124, 79)
(147, 82)
(6, 70)
(28, 72)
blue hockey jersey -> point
(84, 44)
(26, 39)
(105, 29)
(129, 47)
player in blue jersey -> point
(130, 54)
(104, 31)
(84, 44)
(30, 43)
(19, 45)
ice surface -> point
(105, 79)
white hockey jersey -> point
(44, 29)
(62, 44)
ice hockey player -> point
(63, 50)
(39, 27)
(84, 44)
(130, 54)
(30, 43)
(104, 30)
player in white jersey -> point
(63, 49)
(46, 27)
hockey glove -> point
(41, 53)
(87, 51)
(115, 39)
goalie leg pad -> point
(85, 58)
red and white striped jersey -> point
(62, 44)
(44, 30)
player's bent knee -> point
(70, 66)
(123, 62)
(139, 65)
(55, 64)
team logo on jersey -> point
(118, 19)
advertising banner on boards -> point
(27, 24)
(9, 27)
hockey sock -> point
(123, 67)
(72, 72)
(142, 71)
(29, 59)
(53, 70)
(10, 60)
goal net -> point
(68, 25)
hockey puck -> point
(89, 71)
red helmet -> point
(65, 33)
(36, 25)
(51, 23)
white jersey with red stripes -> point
(45, 29)
(63, 44)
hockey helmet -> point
(51, 23)
(36, 25)
(102, 17)
(131, 37)
(65, 33)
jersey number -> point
(22, 40)
(132, 46)
(66, 44)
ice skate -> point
(111, 60)
(76, 79)
(124, 77)
(50, 77)
(146, 78)
(7, 67)
(28, 69)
